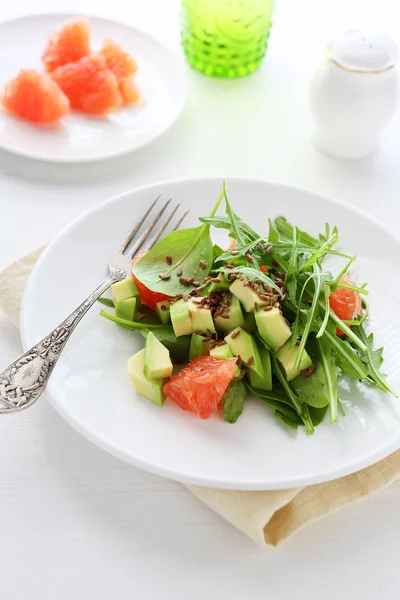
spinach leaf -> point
(178, 346)
(317, 414)
(233, 401)
(106, 301)
(286, 420)
(277, 400)
(187, 249)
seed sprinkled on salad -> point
(164, 277)
(203, 264)
(169, 259)
(179, 272)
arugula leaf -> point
(178, 347)
(346, 358)
(372, 360)
(292, 270)
(273, 233)
(286, 230)
(320, 252)
(330, 373)
(187, 248)
(299, 408)
(233, 401)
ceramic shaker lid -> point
(363, 51)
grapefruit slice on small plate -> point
(160, 81)
(91, 389)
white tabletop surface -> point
(77, 523)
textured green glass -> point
(226, 38)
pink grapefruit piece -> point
(68, 44)
(35, 97)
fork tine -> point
(147, 232)
(138, 225)
(162, 229)
(179, 223)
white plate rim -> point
(169, 473)
(174, 58)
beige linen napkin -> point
(270, 517)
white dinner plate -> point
(78, 138)
(90, 386)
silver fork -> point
(23, 381)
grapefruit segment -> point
(346, 304)
(123, 66)
(35, 97)
(89, 85)
(68, 44)
(200, 386)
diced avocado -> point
(287, 356)
(201, 317)
(198, 346)
(222, 352)
(222, 285)
(247, 296)
(150, 389)
(235, 316)
(250, 322)
(265, 382)
(121, 290)
(180, 317)
(244, 345)
(126, 309)
(157, 363)
(314, 390)
(163, 311)
(272, 328)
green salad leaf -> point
(233, 401)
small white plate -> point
(79, 138)
(90, 387)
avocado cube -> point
(180, 317)
(265, 382)
(157, 363)
(163, 311)
(198, 346)
(122, 290)
(221, 352)
(150, 389)
(232, 319)
(247, 296)
(287, 357)
(201, 317)
(272, 327)
(222, 285)
(126, 309)
(244, 345)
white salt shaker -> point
(354, 93)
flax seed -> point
(256, 306)
(235, 252)
(275, 263)
(203, 264)
(268, 308)
(312, 369)
(249, 258)
(212, 345)
(164, 277)
(196, 283)
(179, 272)
(169, 259)
(251, 251)
(287, 322)
(269, 250)
(198, 332)
(261, 247)
(250, 361)
(236, 334)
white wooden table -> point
(75, 522)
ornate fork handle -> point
(22, 382)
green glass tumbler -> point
(226, 38)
